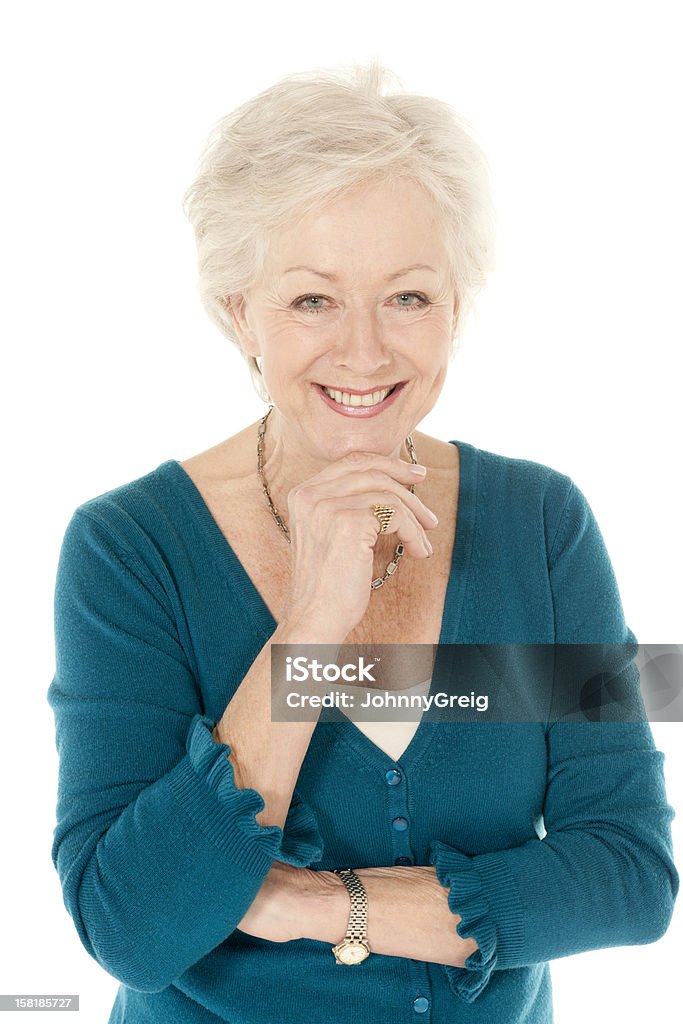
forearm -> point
(408, 914)
(267, 755)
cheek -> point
(297, 331)
(434, 325)
(284, 345)
(430, 345)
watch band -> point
(354, 948)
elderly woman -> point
(228, 866)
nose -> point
(361, 348)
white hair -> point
(312, 137)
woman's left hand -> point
(279, 911)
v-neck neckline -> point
(263, 618)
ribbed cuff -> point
(204, 785)
(482, 892)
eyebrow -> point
(391, 277)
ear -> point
(237, 307)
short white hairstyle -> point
(312, 137)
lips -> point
(356, 409)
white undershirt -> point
(394, 737)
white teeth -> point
(343, 398)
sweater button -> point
(403, 861)
(421, 1004)
(393, 777)
(400, 824)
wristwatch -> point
(354, 948)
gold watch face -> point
(352, 952)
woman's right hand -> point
(333, 533)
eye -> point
(317, 299)
(421, 302)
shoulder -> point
(514, 479)
(138, 496)
(520, 496)
(132, 521)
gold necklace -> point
(398, 553)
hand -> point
(333, 532)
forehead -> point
(383, 223)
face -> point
(355, 298)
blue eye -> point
(299, 304)
(422, 301)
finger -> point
(368, 481)
(394, 467)
(403, 522)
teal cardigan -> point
(550, 839)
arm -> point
(408, 912)
(263, 752)
(150, 824)
(603, 873)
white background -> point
(111, 365)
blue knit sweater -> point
(551, 839)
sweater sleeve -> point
(158, 852)
(602, 875)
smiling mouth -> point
(359, 398)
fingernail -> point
(429, 547)
(418, 469)
(431, 515)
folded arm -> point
(159, 853)
(601, 876)
(408, 912)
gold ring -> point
(383, 514)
